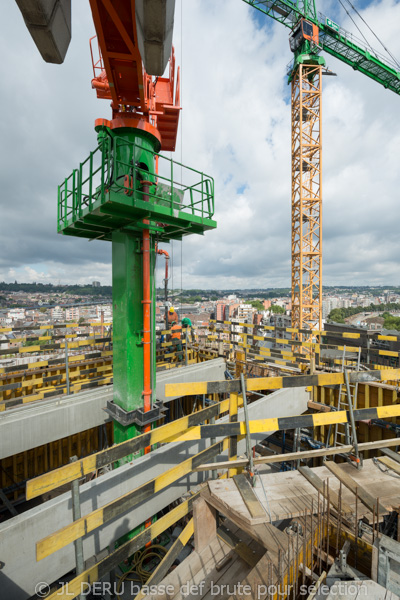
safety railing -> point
(72, 364)
(174, 189)
(86, 185)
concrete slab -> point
(49, 23)
(45, 421)
(155, 25)
(18, 536)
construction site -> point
(251, 461)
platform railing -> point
(70, 362)
(175, 186)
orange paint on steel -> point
(119, 74)
(165, 253)
(146, 314)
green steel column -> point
(127, 284)
(127, 328)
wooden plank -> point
(366, 498)
(225, 497)
(393, 455)
(227, 507)
(317, 586)
(254, 580)
(272, 538)
(391, 464)
(319, 485)
(266, 534)
(249, 498)
(193, 571)
(205, 524)
(235, 572)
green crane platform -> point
(122, 188)
(104, 193)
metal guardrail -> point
(175, 187)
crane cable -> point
(355, 24)
(373, 33)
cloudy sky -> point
(235, 126)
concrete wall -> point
(18, 536)
(45, 421)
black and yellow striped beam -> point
(284, 423)
(315, 346)
(50, 392)
(54, 479)
(233, 440)
(60, 346)
(53, 362)
(100, 569)
(36, 338)
(32, 380)
(343, 334)
(276, 383)
(112, 510)
(53, 326)
(302, 455)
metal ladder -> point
(343, 432)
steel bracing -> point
(306, 199)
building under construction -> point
(254, 461)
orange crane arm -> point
(119, 74)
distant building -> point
(57, 313)
(96, 284)
(222, 311)
(106, 309)
(245, 313)
(257, 318)
(72, 313)
(328, 304)
(16, 314)
(232, 309)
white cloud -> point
(235, 127)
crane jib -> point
(335, 40)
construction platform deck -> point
(251, 539)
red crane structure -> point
(137, 99)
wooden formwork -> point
(16, 470)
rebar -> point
(327, 522)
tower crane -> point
(311, 33)
(127, 193)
